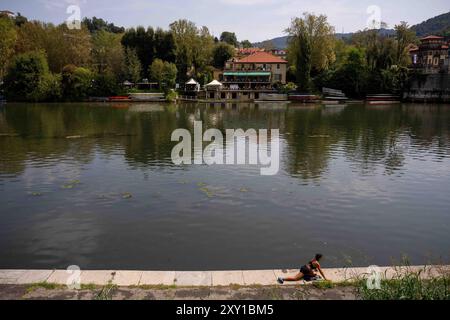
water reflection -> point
(348, 175)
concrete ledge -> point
(207, 279)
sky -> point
(255, 20)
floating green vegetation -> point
(201, 184)
(127, 195)
(244, 190)
(319, 136)
(71, 184)
(207, 191)
(36, 194)
(74, 137)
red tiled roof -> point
(249, 50)
(261, 57)
(432, 38)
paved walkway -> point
(199, 279)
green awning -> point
(247, 74)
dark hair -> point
(318, 256)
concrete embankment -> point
(124, 278)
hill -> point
(439, 25)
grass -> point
(409, 286)
(44, 285)
(107, 292)
(323, 285)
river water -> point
(94, 185)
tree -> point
(61, 45)
(96, 24)
(246, 44)
(29, 78)
(169, 75)
(194, 48)
(230, 38)
(404, 36)
(164, 73)
(319, 35)
(76, 82)
(108, 54)
(353, 73)
(221, 54)
(8, 37)
(303, 63)
(165, 47)
(143, 42)
(133, 67)
(156, 71)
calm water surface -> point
(360, 184)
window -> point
(278, 66)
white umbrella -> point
(214, 83)
(192, 81)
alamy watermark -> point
(374, 278)
(73, 21)
(228, 150)
(374, 20)
(74, 279)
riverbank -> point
(345, 284)
(127, 278)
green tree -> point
(165, 47)
(404, 36)
(318, 34)
(29, 79)
(230, 38)
(8, 37)
(246, 44)
(61, 45)
(76, 82)
(108, 54)
(194, 48)
(95, 24)
(221, 54)
(170, 75)
(143, 42)
(303, 63)
(133, 67)
(164, 73)
(157, 70)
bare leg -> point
(298, 277)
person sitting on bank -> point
(307, 272)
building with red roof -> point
(260, 69)
(432, 55)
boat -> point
(147, 97)
(383, 99)
(119, 99)
(272, 97)
(333, 96)
(305, 98)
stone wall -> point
(429, 88)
